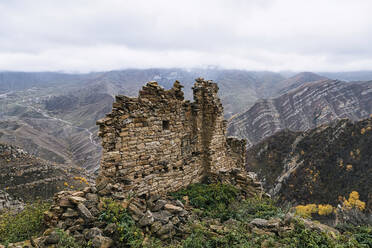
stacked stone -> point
(77, 213)
(160, 216)
(237, 150)
(158, 142)
(146, 143)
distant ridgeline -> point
(159, 142)
(321, 165)
(302, 108)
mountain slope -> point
(298, 80)
(305, 107)
(28, 177)
(316, 166)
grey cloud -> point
(89, 35)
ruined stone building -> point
(159, 142)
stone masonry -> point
(159, 142)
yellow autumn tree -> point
(305, 211)
(354, 202)
(325, 209)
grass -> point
(24, 225)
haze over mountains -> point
(53, 115)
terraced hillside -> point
(27, 177)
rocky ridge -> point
(302, 108)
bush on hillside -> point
(213, 199)
(23, 225)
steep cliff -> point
(303, 108)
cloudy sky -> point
(90, 35)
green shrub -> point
(256, 208)
(22, 226)
(238, 237)
(213, 199)
(67, 241)
(302, 237)
(362, 234)
(127, 233)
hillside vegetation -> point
(220, 217)
(320, 166)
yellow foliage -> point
(81, 179)
(362, 131)
(354, 202)
(325, 209)
(306, 210)
(354, 195)
(66, 184)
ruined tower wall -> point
(159, 142)
(217, 152)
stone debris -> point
(158, 216)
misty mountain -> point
(303, 108)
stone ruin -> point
(153, 144)
(159, 142)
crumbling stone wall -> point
(159, 142)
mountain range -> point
(52, 115)
(304, 107)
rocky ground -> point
(214, 215)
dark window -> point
(165, 125)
